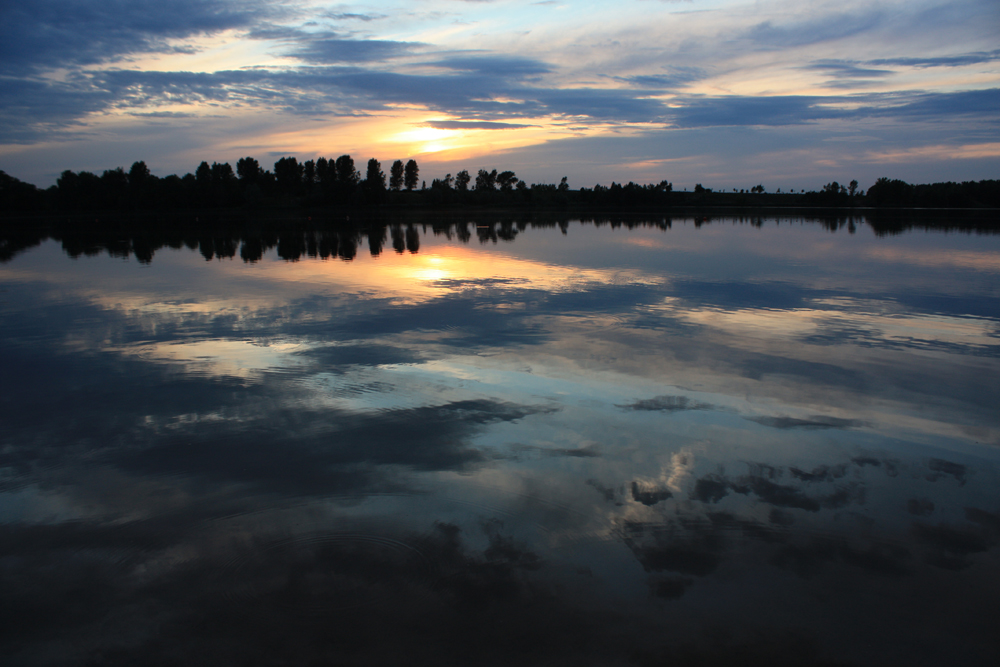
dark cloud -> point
(33, 109)
(862, 461)
(939, 106)
(988, 520)
(974, 58)
(65, 33)
(670, 550)
(348, 16)
(667, 404)
(337, 358)
(647, 495)
(788, 110)
(736, 110)
(808, 558)
(846, 69)
(822, 473)
(161, 114)
(710, 489)
(847, 74)
(920, 506)
(813, 423)
(580, 452)
(326, 452)
(757, 366)
(599, 103)
(949, 546)
(672, 588)
(956, 470)
(779, 495)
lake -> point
(641, 441)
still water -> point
(649, 444)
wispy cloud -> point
(474, 125)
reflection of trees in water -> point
(295, 239)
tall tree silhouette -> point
(346, 173)
(410, 175)
(374, 180)
(396, 175)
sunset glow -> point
(720, 91)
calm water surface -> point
(503, 445)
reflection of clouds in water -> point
(938, 258)
(813, 422)
(843, 322)
(552, 442)
(232, 358)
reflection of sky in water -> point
(609, 443)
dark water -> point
(716, 444)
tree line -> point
(337, 182)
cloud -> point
(679, 76)
(826, 28)
(813, 423)
(497, 65)
(33, 109)
(975, 58)
(938, 106)
(475, 125)
(849, 73)
(351, 16)
(667, 404)
(745, 110)
(330, 49)
(59, 33)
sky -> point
(726, 93)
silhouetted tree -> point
(887, 192)
(375, 177)
(115, 187)
(410, 174)
(486, 180)
(506, 181)
(396, 175)
(248, 169)
(309, 173)
(203, 185)
(288, 174)
(462, 179)
(223, 184)
(374, 181)
(346, 173)
(138, 174)
(16, 195)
